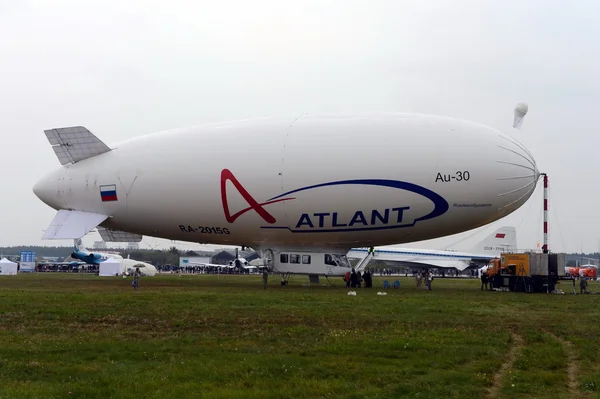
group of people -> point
(355, 279)
(495, 280)
(424, 275)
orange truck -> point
(528, 271)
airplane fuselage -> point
(93, 258)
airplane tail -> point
(503, 239)
(78, 245)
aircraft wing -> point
(458, 264)
(209, 265)
(72, 224)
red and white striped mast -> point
(545, 246)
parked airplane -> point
(92, 258)
(501, 240)
(95, 258)
(237, 263)
(240, 264)
(317, 190)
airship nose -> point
(518, 174)
(46, 190)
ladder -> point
(360, 266)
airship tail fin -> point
(74, 144)
(72, 224)
(111, 235)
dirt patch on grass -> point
(511, 356)
(572, 368)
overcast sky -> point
(123, 69)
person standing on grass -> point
(265, 278)
(583, 285)
(428, 278)
(136, 278)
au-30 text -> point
(461, 175)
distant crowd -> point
(360, 280)
(203, 270)
(65, 268)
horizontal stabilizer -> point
(73, 144)
(72, 224)
(110, 235)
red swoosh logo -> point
(226, 175)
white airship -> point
(302, 191)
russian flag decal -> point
(499, 235)
(108, 193)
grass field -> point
(78, 336)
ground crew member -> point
(428, 280)
(484, 281)
(265, 278)
(583, 285)
(136, 278)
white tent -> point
(146, 269)
(111, 267)
(7, 267)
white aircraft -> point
(321, 186)
(237, 263)
(95, 258)
(501, 240)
